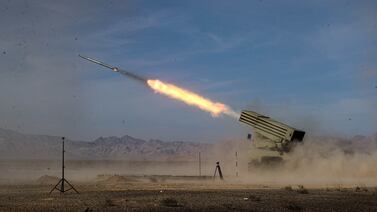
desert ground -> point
(179, 196)
(152, 186)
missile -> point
(116, 69)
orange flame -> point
(190, 98)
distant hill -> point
(15, 145)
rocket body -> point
(116, 69)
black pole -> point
(218, 169)
(200, 165)
(63, 151)
(236, 164)
(220, 172)
(63, 180)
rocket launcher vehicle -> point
(271, 138)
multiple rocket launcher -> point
(270, 136)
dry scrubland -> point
(127, 186)
(334, 178)
(127, 194)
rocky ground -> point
(185, 196)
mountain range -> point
(16, 145)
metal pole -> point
(220, 172)
(63, 159)
(200, 165)
(236, 164)
(63, 151)
(63, 180)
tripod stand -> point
(60, 185)
(218, 169)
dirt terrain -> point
(121, 186)
(182, 196)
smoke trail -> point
(190, 98)
(175, 92)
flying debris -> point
(116, 69)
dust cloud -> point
(320, 161)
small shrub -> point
(360, 189)
(169, 202)
(109, 203)
(153, 180)
(228, 206)
(288, 188)
(254, 198)
(302, 190)
(293, 207)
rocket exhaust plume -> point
(175, 92)
(190, 98)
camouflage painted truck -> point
(270, 139)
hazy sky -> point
(312, 64)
